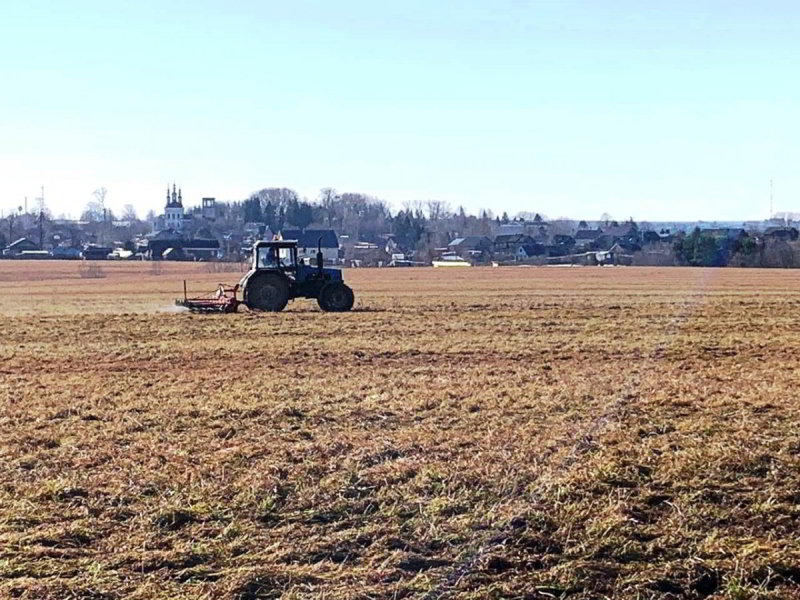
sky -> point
(677, 110)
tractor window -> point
(275, 258)
(286, 258)
(267, 258)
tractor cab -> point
(277, 276)
(280, 255)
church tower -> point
(173, 211)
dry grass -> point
(485, 433)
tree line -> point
(359, 216)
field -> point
(476, 433)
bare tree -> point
(93, 211)
(416, 207)
(129, 213)
(437, 210)
(100, 197)
(328, 198)
(279, 197)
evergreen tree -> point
(252, 211)
(269, 215)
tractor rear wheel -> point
(336, 297)
(268, 293)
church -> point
(174, 216)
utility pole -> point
(41, 229)
(40, 200)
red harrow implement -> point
(223, 300)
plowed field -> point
(476, 433)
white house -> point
(310, 239)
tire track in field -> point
(581, 448)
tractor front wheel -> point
(268, 293)
(336, 297)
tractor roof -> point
(277, 244)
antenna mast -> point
(770, 199)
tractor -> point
(275, 277)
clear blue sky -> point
(670, 110)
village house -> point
(470, 246)
(730, 233)
(528, 251)
(586, 237)
(18, 247)
(95, 252)
(509, 245)
(367, 254)
(787, 234)
(309, 240)
(160, 242)
(171, 244)
(203, 246)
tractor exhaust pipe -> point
(319, 256)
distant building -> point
(510, 244)
(308, 240)
(585, 237)
(787, 234)
(530, 250)
(730, 233)
(203, 247)
(174, 254)
(470, 242)
(471, 246)
(20, 246)
(257, 230)
(95, 252)
(364, 254)
(513, 228)
(208, 209)
(66, 253)
(174, 216)
(158, 243)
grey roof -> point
(310, 237)
(22, 242)
(588, 234)
(512, 238)
(201, 244)
(470, 241)
(166, 234)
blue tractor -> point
(277, 276)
